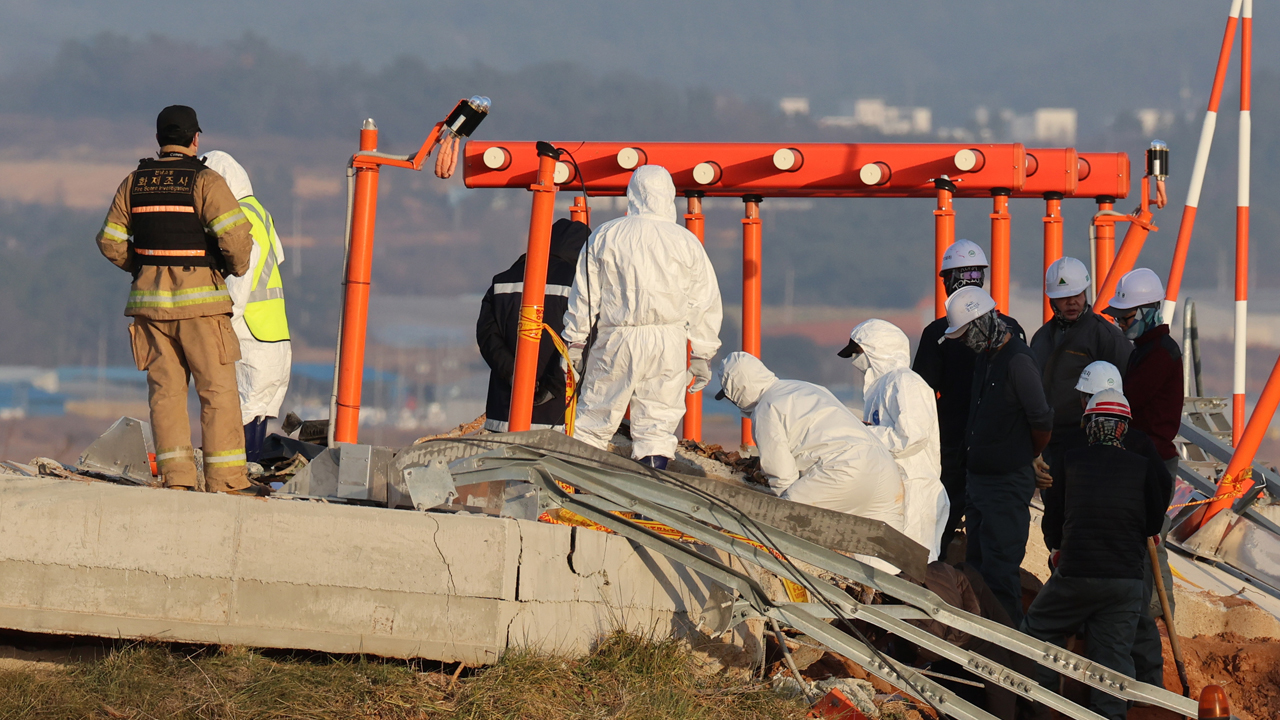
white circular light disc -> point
(563, 172)
(871, 174)
(966, 160)
(628, 159)
(784, 159)
(704, 173)
(495, 158)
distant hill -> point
(1101, 56)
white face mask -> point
(861, 363)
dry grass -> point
(627, 677)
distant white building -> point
(792, 106)
(1055, 126)
(888, 119)
(1154, 120)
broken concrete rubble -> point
(480, 471)
(147, 563)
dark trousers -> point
(1109, 609)
(1148, 654)
(997, 521)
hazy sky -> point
(1100, 55)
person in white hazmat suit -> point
(813, 449)
(257, 313)
(901, 411)
(644, 292)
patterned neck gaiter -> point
(1106, 430)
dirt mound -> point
(1248, 669)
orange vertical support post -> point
(944, 234)
(752, 252)
(1104, 247)
(1240, 344)
(529, 337)
(355, 313)
(693, 221)
(1052, 239)
(580, 211)
(1000, 248)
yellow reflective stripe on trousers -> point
(177, 298)
(226, 221)
(115, 231)
(167, 455)
(225, 458)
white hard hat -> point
(1136, 288)
(964, 306)
(1100, 375)
(1067, 277)
(1109, 402)
(963, 253)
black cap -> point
(176, 123)
(720, 395)
(850, 349)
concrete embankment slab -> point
(109, 560)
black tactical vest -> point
(165, 227)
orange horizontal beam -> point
(770, 169)
(1103, 174)
(1050, 170)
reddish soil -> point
(1248, 669)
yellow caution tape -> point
(571, 407)
(531, 327)
(1232, 489)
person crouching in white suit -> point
(644, 294)
(900, 409)
(813, 449)
(257, 313)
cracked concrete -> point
(108, 560)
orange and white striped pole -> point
(1188, 223)
(1242, 225)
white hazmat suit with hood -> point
(262, 373)
(900, 410)
(813, 449)
(647, 287)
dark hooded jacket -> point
(498, 324)
(1063, 351)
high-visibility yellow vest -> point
(264, 313)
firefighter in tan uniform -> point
(175, 225)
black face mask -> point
(957, 278)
